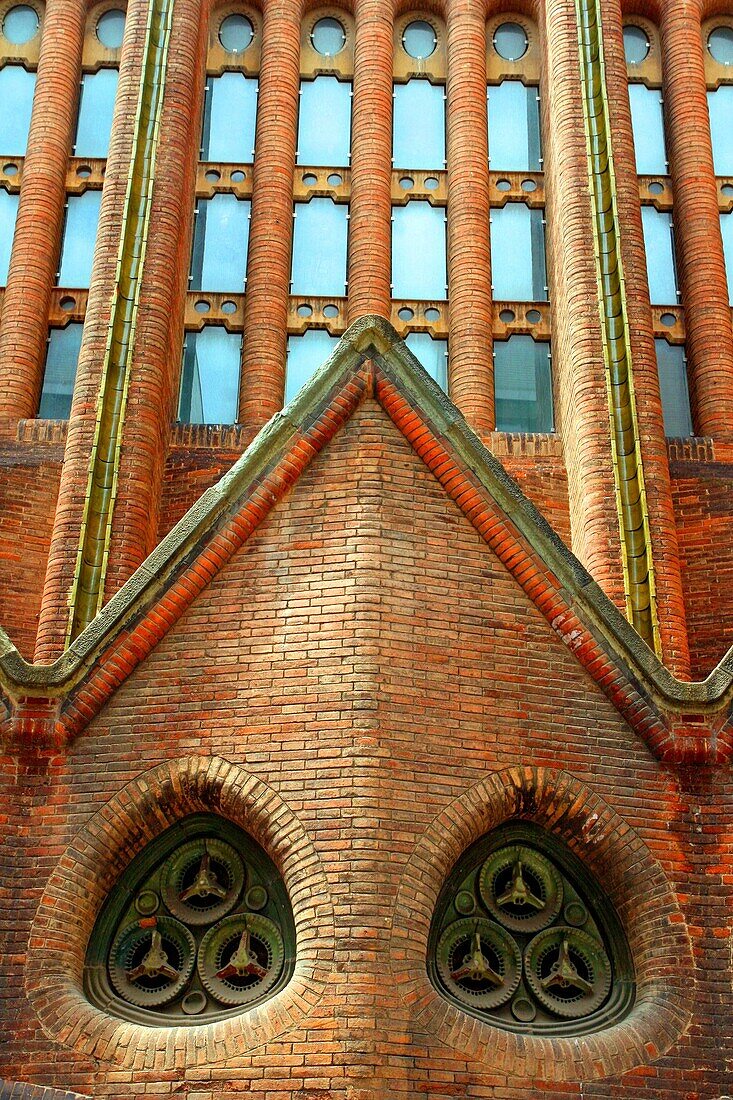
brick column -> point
(469, 270)
(24, 329)
(580, 389)
(370, 228)
(697, 220)
(74, 476)
(268, 276)
(663, 530)
(155, 377)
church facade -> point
(366, 465)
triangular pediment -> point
(372, 360)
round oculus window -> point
(236, 33)
(510, 41)
(636, 44)
(20, 24)
(111, 28)
(328, 37)
(419, 40)
(720, 44)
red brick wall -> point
(703, 491)
(29, 485)
(369, 658)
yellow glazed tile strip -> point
(87, 594)
(633, 515)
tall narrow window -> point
(79, 236)
(518, 268)
(100, 68)
(221, 235)
(419, 191)
(672, 367)
(647, 119)
(659, 245)
(321, 190)
(418, 252)
(522, 357)
(212, 349)
(718, 43)
(319, 248)
(20, 39)
(514, 127)
(523, 385)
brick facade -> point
(356, 629)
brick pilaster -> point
(469, 270)
(24, 329)
(696, 220)
(268, 277)
(370, 229)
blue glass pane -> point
(80, 233)
(230, 114)
(726, 227)
(659, 246)
(433, 354)
(16, 96)
(514, 127)
(306, 354)
(324, 122)
(418, 137)
(220, 241)
(96, 106)
(523, 385)
(673, 386)
(210, 378)
(418, 252)
(518, 272)
(8, 214)
(720, 105)
(319, 248)
(647, 119)
(62, 359)
(21, 24)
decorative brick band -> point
(94, 862)
(634, 882)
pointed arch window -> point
(523, 937)
(198, 927)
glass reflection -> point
(16, 96)
(230, 116)
(647, 120)
(523, 385)
(62, 359)
(210, 377)
(319, 248)
(518, 271)
(324, 122)
(720, 106)
(726, 228)
(8, 214)
(96, 107)
(672, 366)
(659, 245)
(220, 242)
(514, 127)
(306, 354)
(80, 234)
(418, 252)
(433, 354)
(418, 125)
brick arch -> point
(635, 884)
(93, 863)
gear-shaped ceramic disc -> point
(479, 962)
(152, 961)
(202, 880)
(568, 971)
(241, 958)
(520, 888)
